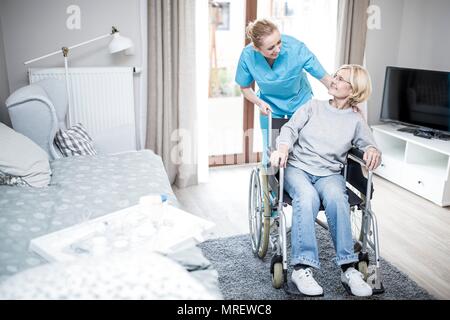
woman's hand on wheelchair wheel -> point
(278, 158)
(372, 157)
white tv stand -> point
(417, 164)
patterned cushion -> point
(22, 161)
(75, 142)
(11, 180)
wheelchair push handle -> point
(269, 141)
(269, 149)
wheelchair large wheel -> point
(259, 211)
(356, 221)
(255, 208)
(267, 213)
(356, 218)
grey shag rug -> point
(242, 276)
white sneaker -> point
(304, 280)
(353, 281)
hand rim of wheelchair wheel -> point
(265, 216)
(356, 220)
(254, 210)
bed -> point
(81, 188)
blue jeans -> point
(307, 192)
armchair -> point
(38, 111)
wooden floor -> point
(414, 233)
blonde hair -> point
(360, 81)
(257, 30)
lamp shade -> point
(119, 43)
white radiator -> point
(103, 101)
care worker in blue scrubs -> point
(277, 63)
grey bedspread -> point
(81, 188)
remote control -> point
(423, 134)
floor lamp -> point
(117, 44)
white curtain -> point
(172, 101)
(352, 30)
(351, 35)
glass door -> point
(313, 22)
(225, 103)
(234, 132)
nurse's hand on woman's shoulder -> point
(264, 107)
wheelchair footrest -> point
(374, 291)
(378, 291)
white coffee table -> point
(154, 227)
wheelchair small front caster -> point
(363, 268)
(363, 264)
(277, 272)
(277, 275)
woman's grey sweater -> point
(319, 137)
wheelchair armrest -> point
(355, 176)
(358, 155)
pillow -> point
(133, 275)
(75, 142)
(22, 162)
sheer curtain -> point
(172, 100)
(352, 30)
(351, 35)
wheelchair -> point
(268, 224)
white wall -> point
(34, 28)
(425, 38)
(4, 85)
(414, 34)
(382, 47)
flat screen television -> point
(420, 98)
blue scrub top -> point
(285, 85)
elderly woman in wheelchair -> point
(313, 150)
